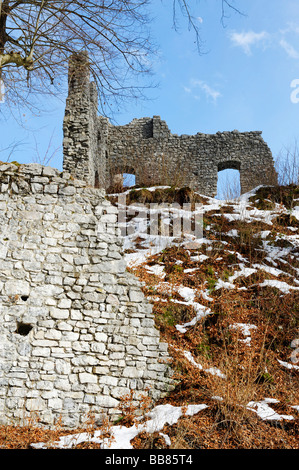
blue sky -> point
(241, 81)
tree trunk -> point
(3, 19)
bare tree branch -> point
(38, 36)
(229, 5)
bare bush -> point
(287, 165)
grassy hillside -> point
(227, 304)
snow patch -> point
(121, 436)
(245, 329)
(282, 286)
(188, 295)
(288, 365)
(265, 412)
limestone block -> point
(35, 404)
(81, 346)
(101, 337)
(55, 403)
(59, 314)
(133, 372)
(62, 384)
(84, 360)
(86, 378)
(41, 352)
(98, 348)
(108, 380)
(51, 189)
(49, 171)
(109, 218)
(64, 303)
(136, 295)
(112, 299)
(106, 401)
(67, 190)
(17, 287)
(62, 367)
(80, 260)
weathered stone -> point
(136, 295)
(80, 342)
(59, 314)
(85, 378)
(62, 367)
(64, 303)
(106, 402)
(55, 403)
(17, 287)
(35, 404)
(99, 153)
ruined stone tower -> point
(96, 151)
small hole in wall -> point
(96, 180)
(24, 297)
(23, 329)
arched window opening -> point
(121, 178)
(228, 185)
(129, 179)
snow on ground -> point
(157, 269)
(245, 330)
(201, 311)
(210, 370)
(282, 286)
(264, 411)
(295, 212)
(288, 365)
(122, 436)
(149, 245)
(188, 295)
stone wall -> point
(159, 157)
(97, 151)
(76, 332)
(80, 129)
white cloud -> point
(291, 28)
(248, 39)
(209, 91)
(290, 50)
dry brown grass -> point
(252, 371)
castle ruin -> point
(76, 332)
(97, 151)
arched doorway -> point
(129, 179)
(228, 184)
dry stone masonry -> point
(97, 151)
(76, 332)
